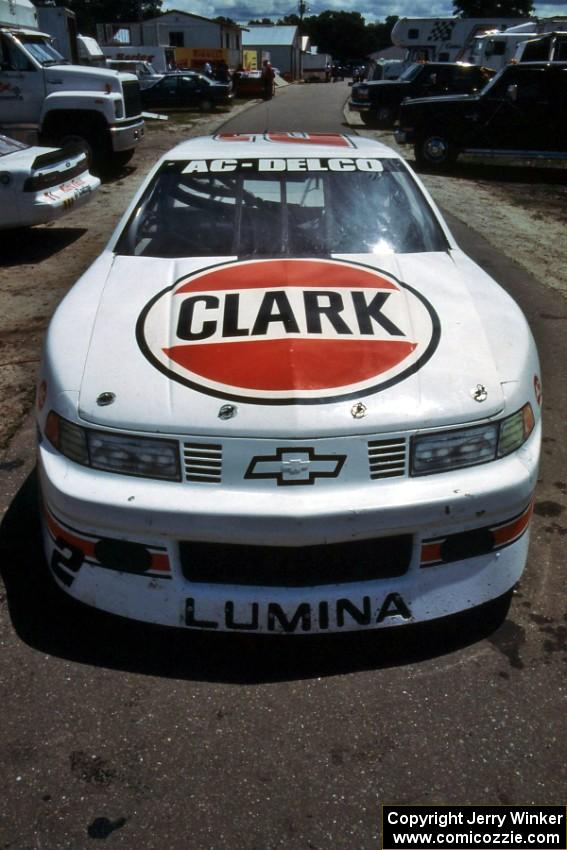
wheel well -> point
(58, 123)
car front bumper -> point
(135, 547)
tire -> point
(384, 117)
(435, 150)
(206, 105)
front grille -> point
(132, 100)
(202, 462)
(387, 458)
(306, 566)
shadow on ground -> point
(34, 244)
(51, 622)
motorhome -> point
(443, 39)
(496, 48)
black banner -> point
(474, 827)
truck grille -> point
(132, 100)
(306, 566)
(387, 458)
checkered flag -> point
(441, 31)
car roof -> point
(279, 144)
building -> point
(173, 40)
(281, 45)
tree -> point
(266, 22)
(220, 19)
(342, 34)
(91, 12)
(493, 8)
(289, 21)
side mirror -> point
(512, 92)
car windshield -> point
(188, 210)
(41, 50)
(10, 145)
(411, 72)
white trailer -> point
(44, 99)
(495, 49)
(316, 67)
(443, 39)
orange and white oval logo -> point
(287, 331)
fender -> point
(102, 103)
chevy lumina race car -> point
(38, 185)
(283, 400)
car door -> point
(191, 90)
(516, 112)
(163, 93)
(22, 85)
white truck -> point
(42, 98)
(443, 39)
(496, 48)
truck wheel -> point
(384, 117)
(206, 105)
(435, 150)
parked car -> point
(39, 184)
(521, 112)
(378, 102)
(187, 89)
(293, 405)
(145, 71)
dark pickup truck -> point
(379, 102)
(522, 112)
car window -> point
(189, 83)
(10, 145)
(411, 72)
(249, 214)
(168, 84)
(42, 50)
(12, 58)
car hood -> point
(138, 353)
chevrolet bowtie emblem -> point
(295, 466)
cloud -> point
(242, 11)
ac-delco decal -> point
(266, 165)
(288, 331)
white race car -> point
(283, 400)
(38, 185)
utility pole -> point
(302, 8)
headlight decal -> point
(477, 541)
(73, 549)
(443, 451)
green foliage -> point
(92, 12)
(346, 35)
(493, 8)
(267, 22)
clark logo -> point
(288, 331)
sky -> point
(243, 11)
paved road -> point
(153, 739)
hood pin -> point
(480, 393)
(358, 410)
(105, 398)
(228, 411)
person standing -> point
(267, 79)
